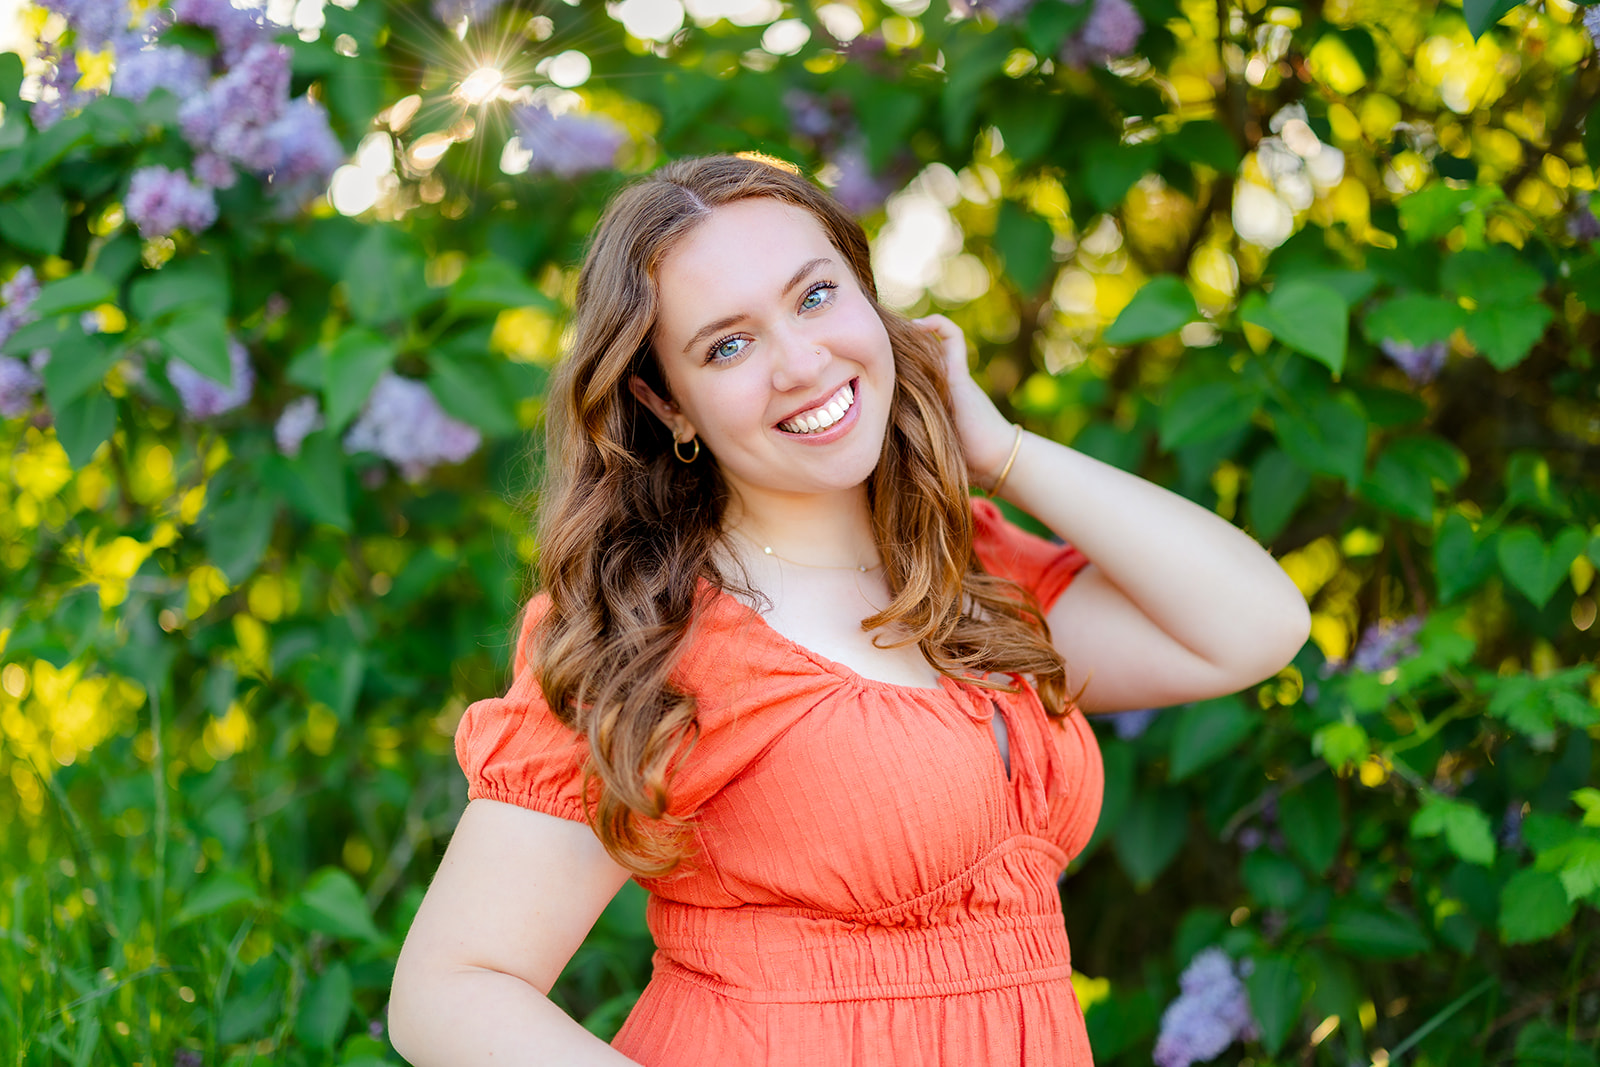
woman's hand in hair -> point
(986, 435)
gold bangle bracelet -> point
(1016, 446)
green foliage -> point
(231, 674)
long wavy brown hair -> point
(626, 531)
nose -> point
(798, 364)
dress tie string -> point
(1034, 766)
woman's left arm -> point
(1177, 604)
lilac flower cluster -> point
(1385, 644)
(403, 423)
(94, 22)
(236, 29)
(1582, 225)
(1211, 1012)
(1591, 22)
(1421, 363)
(833, 129)
(58, 90)
(19, 385)
(451, 12)
(162, 201)
(568, 144)
(1131, 724)
(204, 398)
(16, 302)
(144, 69)
(301, 418)
(1112, 30)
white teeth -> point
(820, 418)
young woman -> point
(785, 672)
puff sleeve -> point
(513, 749)
(1043, 568)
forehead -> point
(739, 252)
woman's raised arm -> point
(1177, 604)
(514, 897)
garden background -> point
(282, 287)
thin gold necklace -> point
(767, 549)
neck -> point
(833, 529)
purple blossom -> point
(856, 187)
(403, 423)
(1211, 1012)
(305, 153)
(1581, 222)
(93, 22)
(450, 12)
(567, 145)
(808, 115)
(1130, 724)
(142, 70)
(160, 201)
(1420, 362)
(1112, 30)
(19, 385)
(1386, 644)
(211, 169)
(1591, 22)
(58, 91)
(301, 418)
(235, 29)
(16, 302)
(205, 398)
(231, 118)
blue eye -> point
(817, 297)
(726, 349)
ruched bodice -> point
(870, 883)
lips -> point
(820, 417)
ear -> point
(665, 410)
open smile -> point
(831, 414)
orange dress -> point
(870, 885)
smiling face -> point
(772, 353)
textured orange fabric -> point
(870, 885)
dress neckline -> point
(946, 684)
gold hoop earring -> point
(677, 450)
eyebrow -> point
(721, 324)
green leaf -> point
(1400, 487)
(1049, 24)
(1340, 743)
(1152, 831)
(384, 277)
(75, 292)
(472, 391)
(78, 363)
(1327, 435)
(351, 368)
(1465, 827)
(1274, 881)
(1533, 906)
(315, 485)
(1112, 169)
(1277, 485)
(1312, 823)
(1461, 561)
(1161, 306)
(201, 281)
(35, 222)
(1540, 1044)
(1528, 483)
(199, 337)
(1376, 932)
(331, 903)
(1505, 335)
(1435, 210)
(1415, 318)
(84, 424)
(490, 284)
(1308, 317)
(1024, 242)
(237, 530)
(1576, 862)
(325, 1009)
(1535, 568)
(1491, 276)
(1206, 732)
(1588, 798)
(1202, 141)
(889, 114)
(1206, 411)
(1276, 993)
(214, 893)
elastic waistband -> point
(785, 956)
